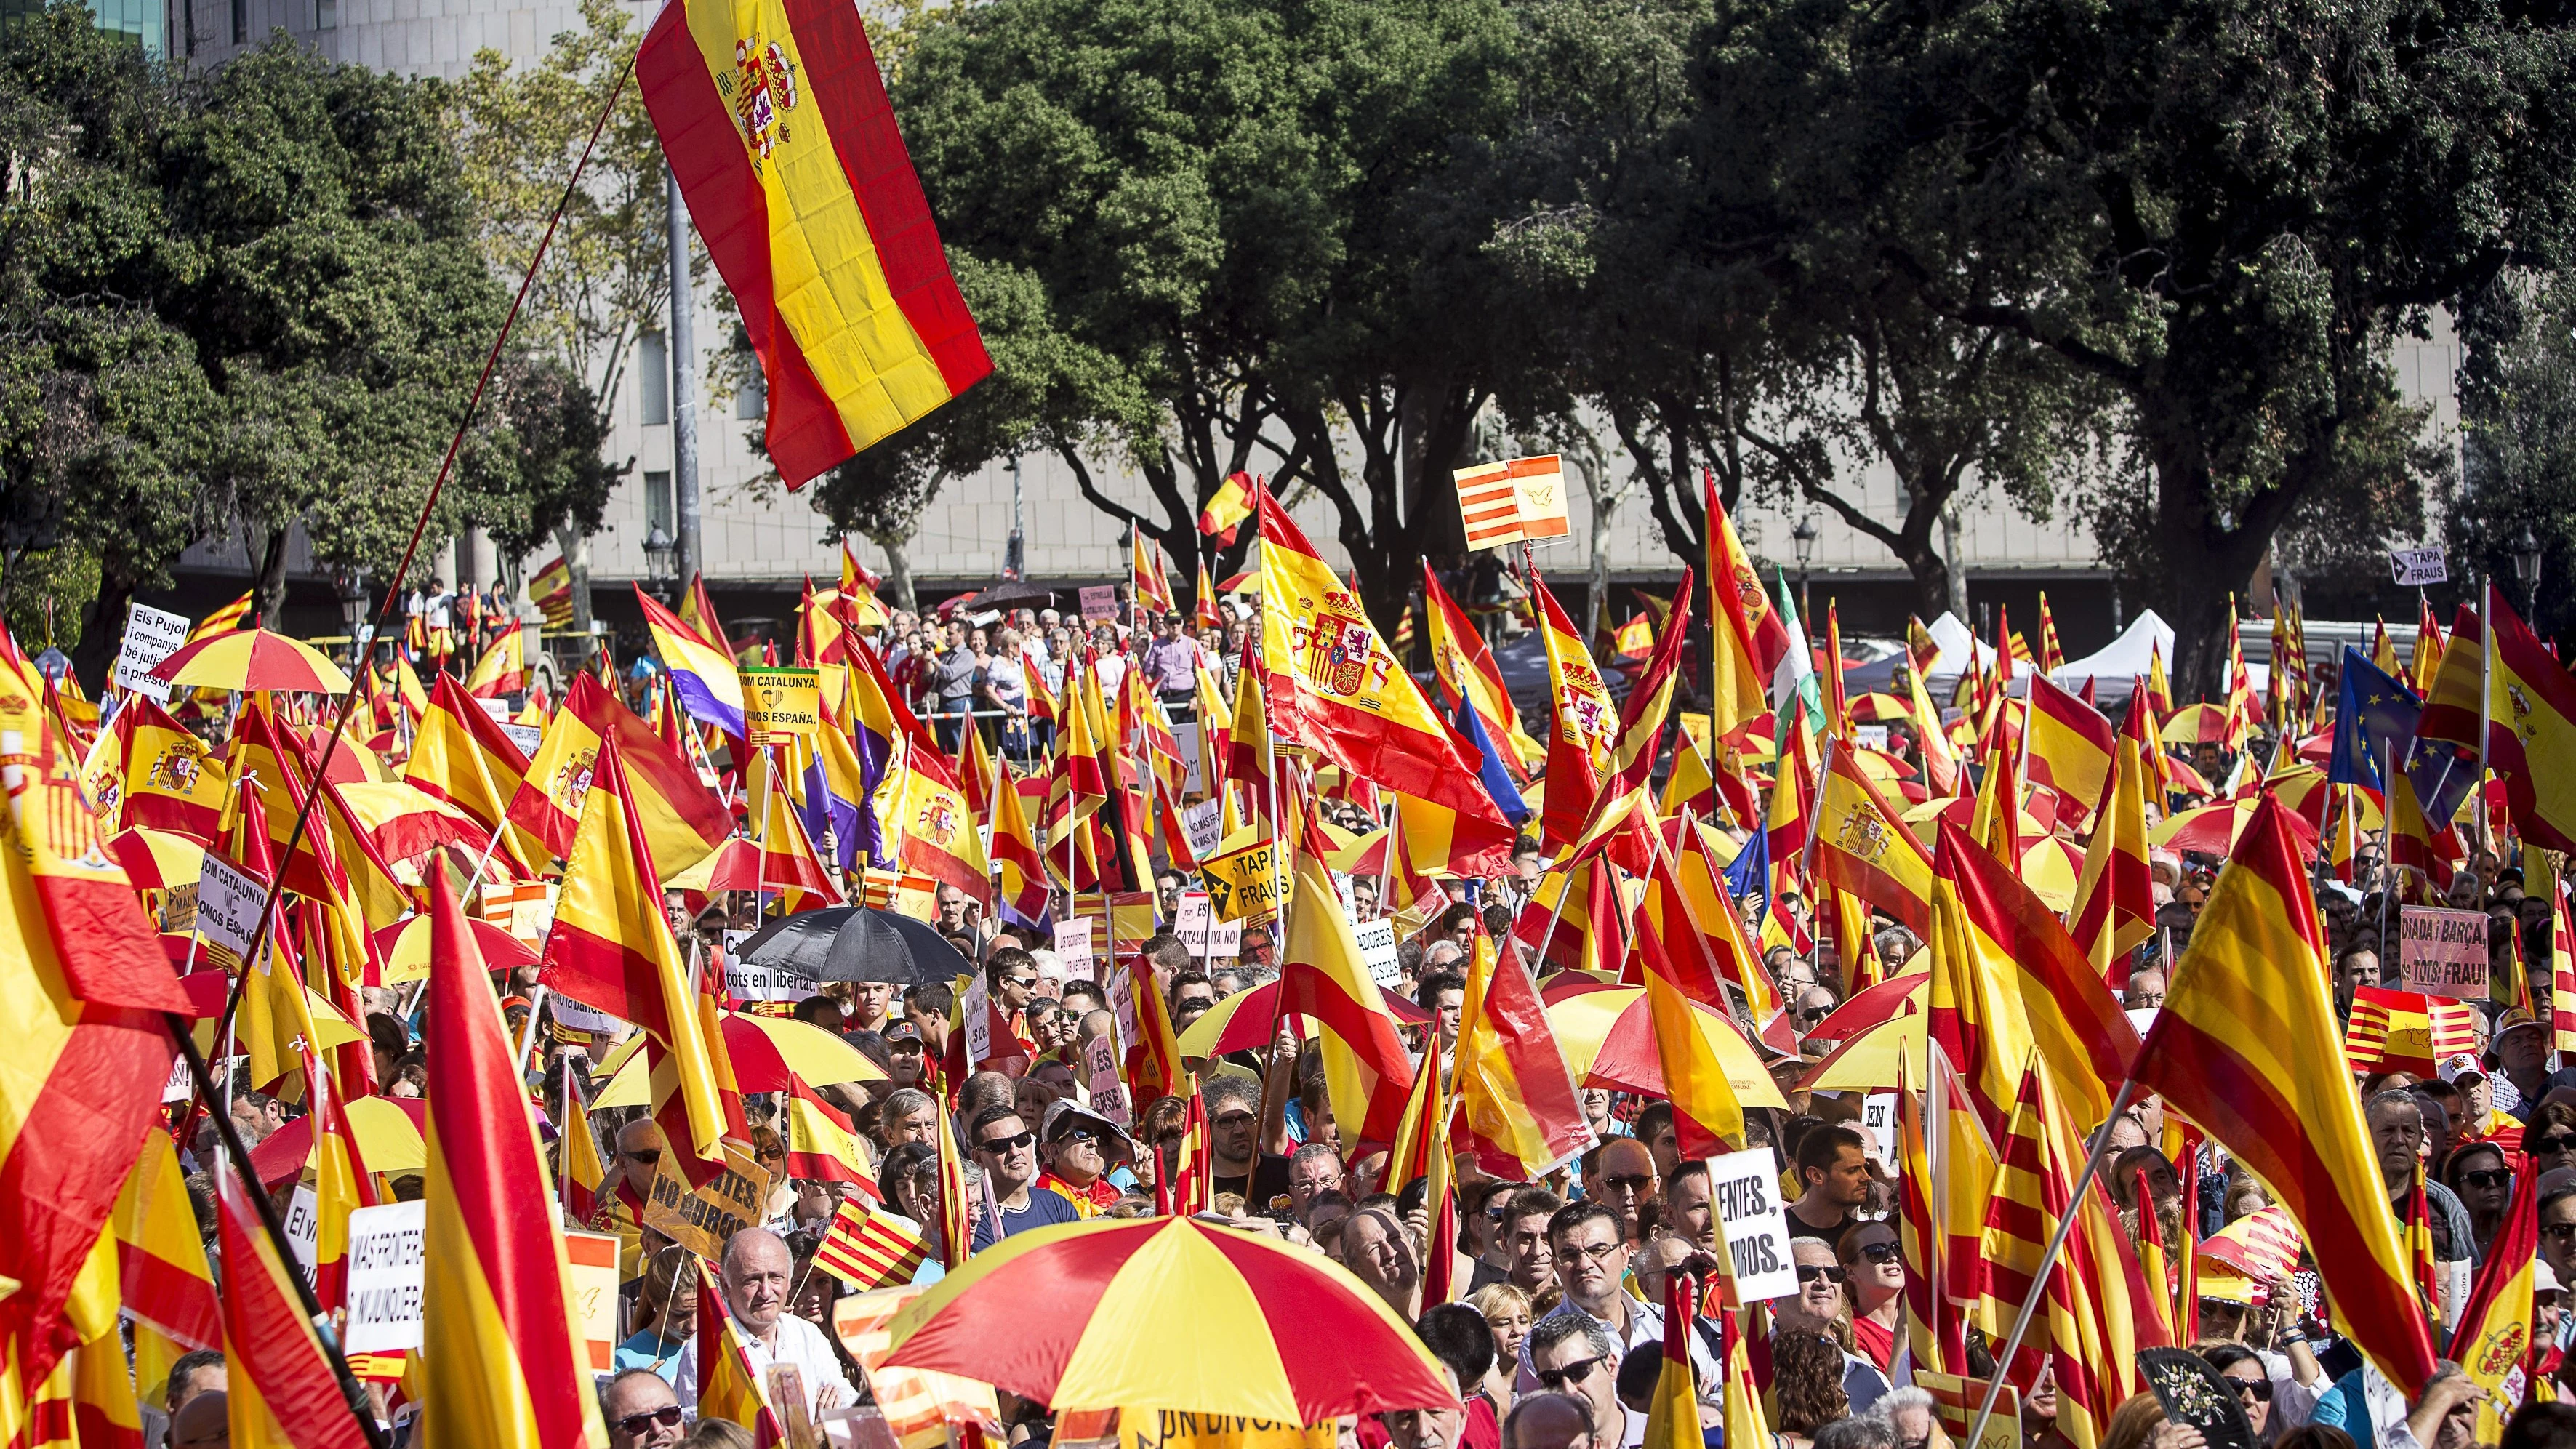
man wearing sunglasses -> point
(1592, 1256)
(1573, 1354)
(1824, 1286)
(1080, 1145)
(1008, 1152)
(641, 1411)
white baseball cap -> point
(2461, 1064)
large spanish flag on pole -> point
(2245, 1048)
(1750, 639)
(502, 1361)
(1860, 846)
(779, 133)
(276, 1369)
(2531, 728)
(1466, 670)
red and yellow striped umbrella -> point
(1608, 1036)
(251, 659)
(1170, 1313)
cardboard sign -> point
(593, 1260)
(1100, 602)
(768, 983)
(1244, 883)
(2413, 568)
(975, 1015)
(386, 1275)
(1878, 1119)
(1181, 1429)
(1108, 1090)
(2442, 952)
(151, 635)
(1204, 824)
(228, 904)
(1744, 1187)
(1073, 940)
(1870, 736)
(701, 1220)
(1377, 948)
(780, 705)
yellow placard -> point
(700, 1220)
(1179, 1429)
(780, 704)
(1244, 883)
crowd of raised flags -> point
(2128, 990)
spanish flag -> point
(1750, 638)
(168, 1287)
(277, 1372)
(727, 1388)
(777, 127)
(939, 835)
(502, 1361)
(1860, 846)
(2070, 749)
(1021, 890)
(2531, 728)
(1227, 507)
(551, 591)
(2245, 1049)
(1146, 583)
(167, 780)
(2493, 1338)
(1586, 723)
(1672, 1421)
(1516, 1097)
(503, 669)
(678, 816)
(585, 1175)
(460, 755)
(2451, 704)
(1707, 1116)
(1639, 738)
(1466, 670)
(1322, 978)
(2114, 907)
(702, 674)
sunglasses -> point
(773, 1154)
(1815, 1013)
(668, 1416)
(1006, 1144)
(1635, 1182)
(1555, 1380)
(1881, 1252)
(1809, 1273)
(2259, 1390)
(1077, 1134)
(2492, 1177)
(648, 1156)
(2560, 1142)
(1022, 982)
(2558, 1230)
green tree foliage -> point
(2518, 404)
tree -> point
(2223, 213)
(2518, 409)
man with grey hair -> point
(1860, 1431)
(1549, 1421)
(757, 1273)
(1574, 1354)
(908, 1114)
(1909, 1414)
(1313, 1169)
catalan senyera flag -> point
(235, 615)
(2245, 1048)
(503, 669)
(2406, 1031)
(1322, 977)
(502, 1358)
(2007, 981)
(777, 127)
(870, 1247)
(611, 947)
(2562, 981)
(2493, 1340)
(1147, 585)
(2070, 749)
(1861, 845)
(1341, 691)
(2114, 906)
(2531, 728)
(1751, 640)
(276, 1370)
(679, 816)
(1517, 1099)
(1465, 667)
(460, 755)
(703, 675)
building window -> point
(241, 22)
(653, 378)
(751, 400)
(658, 512)
(326, 14)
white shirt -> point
(799, 1343)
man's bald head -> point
(201, 1423)
(1548, 1421)
(757, 1268)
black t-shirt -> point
(1269, 1180)
(1831, 1237)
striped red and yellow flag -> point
(1323, 978)
(235, 615)
(681, 818)
(1517, 1098)
(2263, 1245)
(502, 1348)
(1146, 582)
(166, 1284)
(919, 1404)
(2494, 1338)
(2114, 907)
(2245, 1049)
(585, 1174)
(871, 1247)
(2406, 1031)
(460, 754)
(2050, 656)
(2562, 968)
(1512, 501)
(1464, 665)
(276, 1372)
(777, 127)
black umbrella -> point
(1009, 594)
(856, 943)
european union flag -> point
(1749, 877)
(1489, 769)
(2374, 721)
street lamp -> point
(661, 562)
(1806, 535)
(353, 613)
(2526, 567)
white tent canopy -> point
(2124, 658)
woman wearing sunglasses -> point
(2483, 1181)
(1874, 1269)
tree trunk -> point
(576, 553)
(102, 630)
(898, 570)
(1955, 575)
(268, 584)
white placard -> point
(151, 635)
(571, 1013)
(1190, 921)
(1194, 772)
(181, 1086)
(1878, 1119)
(1122, 999)
(2416, 567)
(386, 1274)
(1073, 943)
(1744, 1187)
(526, 737)
(976, 1015)
(1377, 948)
(304, 1228)
(2442, 952)
(1870, 736)
(228, 904)
(1108, 1093)
(498, 709)
(1204, 824)
(768, 983)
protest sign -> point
(975, 1014)
(1073, 942)
(779, 705)
(1100, 602)
(228, 904)
(2442, 952)
(700, 1220)
(768, 983)
(1204, 824)
(1243, 883)
(2416, 567)
(304, 1228)
(1870, 736)
(497, 709)
(526, 737)
(1377, 948)
(593, 1260)
(1181, 1429)
(1108, 1091)
(1193, 771)
(151, 635)
(1745, 1189)
(386, 1273)
(1878, 1118)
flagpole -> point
(2387, 832)
(2048, 1259)
(528, 1038)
